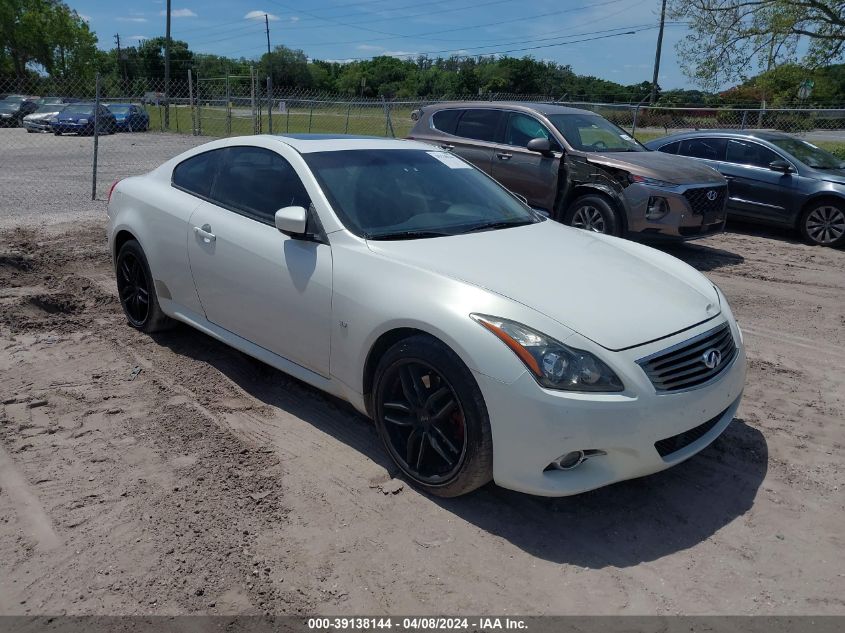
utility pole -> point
(269, 76)
(167, 70)
(657, 54)
(121, 62)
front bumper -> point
(37, 125)
(69, 127)
(682, 221)
(532, 426)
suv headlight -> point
(651, 182)
(553, 364)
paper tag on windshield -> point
(450, 160)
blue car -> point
(129, 117)
(78, 118)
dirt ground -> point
(172, 475)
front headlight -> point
(553, 364)
(651, 182)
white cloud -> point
(131, 19)
(259, 15)
(294, 18)
(179, 13)
(137, 37)
(369, 47)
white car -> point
(486, 341)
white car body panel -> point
(316, 311)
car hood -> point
(660, 166)
(617, 293)
(38, 116)
(836, 176)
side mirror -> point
(540, 145)
(292, 221)
(780, 165)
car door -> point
(528, 173)
(252, 280)
(755, 190)
(476, 136)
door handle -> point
(504, 155)
(447, 147)
(205, 233)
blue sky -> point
(354, 29)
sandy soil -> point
(172, 475)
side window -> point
(522, 128)
(670, 148)
(446, 120)
(709, 148)
(196, 174)
(258, 182)
(480, 125)
(749, 153)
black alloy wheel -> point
(133, 288)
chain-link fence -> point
(155, 125)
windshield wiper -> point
(407, 235)
(492, 226)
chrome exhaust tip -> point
(573, 459)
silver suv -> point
(580, 168)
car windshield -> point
(79, 109)
(9, 106)
(409, 194)
(808, 153)
(50, 107)
(119, 107)
(49, 100)
(13, 99)
(592, 133)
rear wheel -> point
(431, 417)
(136, 290)
(823, 224)
(595, 213)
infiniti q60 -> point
(485, 341)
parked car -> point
(14, 109)
(39, 121)
(580, 168)
(154, 98)
(129, 117)
(774, 178)
(79, 118)
(400, 278)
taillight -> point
(111, 189)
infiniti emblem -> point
(711, 358)
(712, 195)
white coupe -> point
(486, 341)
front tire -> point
(593, 212)
(823, 224)
(431, 417)
(136, 290)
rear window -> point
(480, 125)
(446, 120)
(196, 174)
(707, 148)
(670, 148)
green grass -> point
(332, 119)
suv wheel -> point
(593, 212)
(823, 224)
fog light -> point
(657, 208)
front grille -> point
(682, 440)
(701, 204)
(684, 366)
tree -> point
(45, 33)
(729, 39)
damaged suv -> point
(580, 168)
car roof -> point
(764, 135)
(308, 143)
(516, 106)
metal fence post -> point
(255, 126)
(634, 126)
(287, 118)
(348, 112)
(228, 108)
(744, 117)
(199, 107)
(191, 104)
(310, 117)
(388, 123)
(270, 103)
(96, 137)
